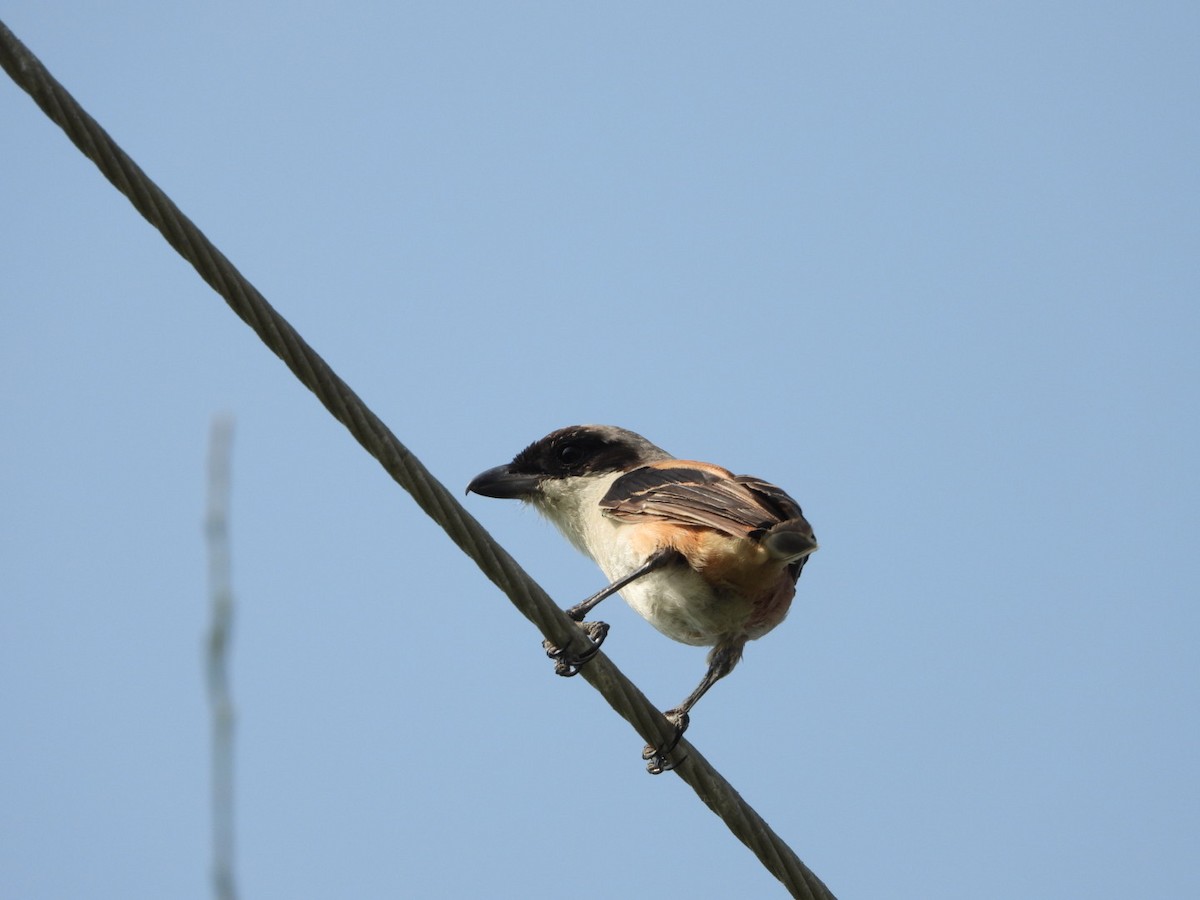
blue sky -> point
(931, 268)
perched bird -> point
(707, 557)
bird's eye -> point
(570, 453)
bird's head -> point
(575, 452)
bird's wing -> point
(698, 494)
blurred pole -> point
(217, 656)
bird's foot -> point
(657, 760)
(566, 664)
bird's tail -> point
(790, 540)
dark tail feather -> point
(790, 540)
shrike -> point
(707, 557)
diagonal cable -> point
(437, 502)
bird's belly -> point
(682, 605)
(744, 596)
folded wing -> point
(686, 494)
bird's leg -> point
(580, 610)
(596, 631)
(721, 661)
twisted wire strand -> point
(375, 437)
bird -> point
(707, 557)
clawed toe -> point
(657, 760)
(568, 665)
(656, 765)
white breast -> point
(676, 601)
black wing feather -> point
(742, 506)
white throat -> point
(573, 505)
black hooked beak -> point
(503, 483)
